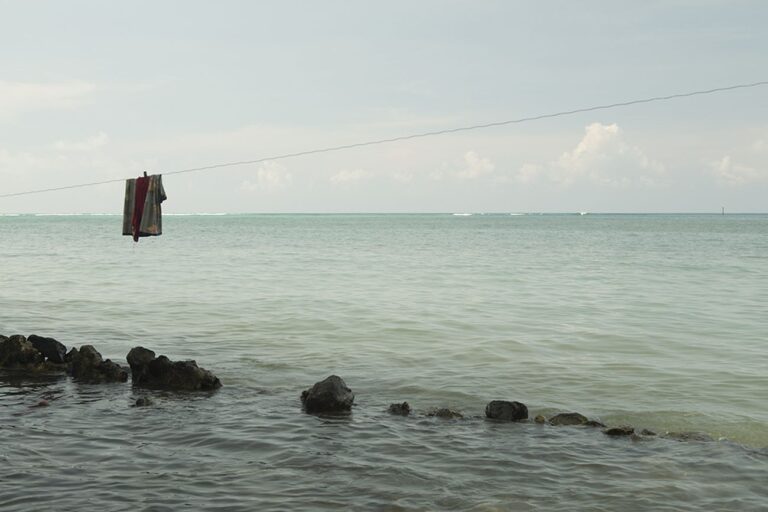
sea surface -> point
(656, 321)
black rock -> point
(3, 338)
(623, 430)
(568, 418)
(403, 409)
(17, 352)
(162, 373)
(86, 364)
(505, 410)
(445, 412)
(54, 351)
(329, 395)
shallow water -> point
(653, 320)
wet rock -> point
(594, 423)
(53, 351)
(329, 395)
(42, 403)
(689, 436)
(623, 430)
(444, 412)
(540, 419)
(86, 364)
(568, 418)
(3, 338)
(143, 401)
(17, 352)
(505, 410)
(646, 432)
(162, 373)
(403, 409)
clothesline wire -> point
(413, 136)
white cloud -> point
(475, 166)
(270, 177)
(24, 96)
(87, 144)
(603, 157)
(403, 177)
(727, 171)
(347, 176)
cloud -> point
(88, 144)
(475, 166)
(731, 173)
(270, 177)
(25, 96)
(602, 156)
(346, 176)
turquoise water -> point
(658, 321)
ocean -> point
(655, 321)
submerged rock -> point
(53, 350)
(594, 423)
(540, 419)
(17, 352)
(623, 430)
(143, 401)
(444, 412)
(568, 418)
(689, 436)
(403, 409)
(162, 373)
(329, 395)
(505, 410)
(86, 364)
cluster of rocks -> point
(38, 354)
(333, 396)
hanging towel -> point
(142, 215)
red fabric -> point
(142, 184)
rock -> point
(646, 432)
(594, 423)
(329, 395)
(162, 373)
(540, 419)
(505, 410)
(403, 409)
(54, 351)
(42, 403)
(143, 401)
(689, 436)
(568, 418)
(444, 412)
(17, 352)
(3, 338)
(623, 430)
(86, 364)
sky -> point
(96, 91)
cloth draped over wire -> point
(142, 215)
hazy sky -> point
(93, 90)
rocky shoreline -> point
(36, 355)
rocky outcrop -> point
(18, 352)
(162, 373)
(506, 411)
(623, 430)
(86, 364)
(330, 395)
(403, 409)
(51, 349)
(445, 412)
